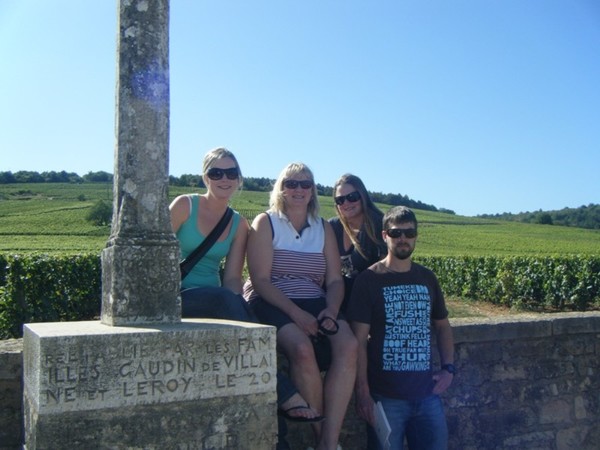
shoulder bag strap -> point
(188, 263)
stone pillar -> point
(140, 270)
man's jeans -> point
(422, 421)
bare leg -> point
(339, 383)
(304, 371)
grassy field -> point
(50, 218)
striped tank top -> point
(298, 260)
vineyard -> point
(50, 218)
(50, 255)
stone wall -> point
(524, 382)
(529, 383)
(11, 394)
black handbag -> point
(188, 263)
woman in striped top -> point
(295, 285)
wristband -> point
(449, 368)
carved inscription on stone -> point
(143, 368)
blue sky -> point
(478, 106)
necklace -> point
(389, 269)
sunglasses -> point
(216, 174)
(293, 184)
(352, 197)
(395, 233)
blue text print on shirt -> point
(407, 333)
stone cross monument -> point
(142, 377)
(140, 271)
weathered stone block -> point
(503, 372)
(141, 281)
(199, 384)
(539, 440)
(556, 411)
(499, 328)
(586, 323)
(488, 352)
(11, 389)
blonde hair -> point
(277, 200)
(219, 153)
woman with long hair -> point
(357, 229)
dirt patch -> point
(461, 308)
(471, 308)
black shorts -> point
(271, 315)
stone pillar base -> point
(202, 383)
(141, 281)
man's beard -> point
(402, 252)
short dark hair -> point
(397, 215)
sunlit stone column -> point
(140, 272)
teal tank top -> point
(206, 271)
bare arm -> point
(445, 343)
(234, 262)
(364, 402)
(333, 275)
(179, 210)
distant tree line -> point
(266, 184)
(582, 217)
(194, 180)
(26, 176)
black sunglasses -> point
(293, 184)
(352, 197)
(216, 174)
(395, 233)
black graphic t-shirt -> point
(399, 306)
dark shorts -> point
(271, 315)
(212, 302)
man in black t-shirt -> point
(395, 307)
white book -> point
(382, 426)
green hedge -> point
(560, 283)
(42, 288)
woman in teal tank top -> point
(193, 217)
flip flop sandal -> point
(286, 414)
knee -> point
(347, 349)
(302, 353)
(351, 349)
